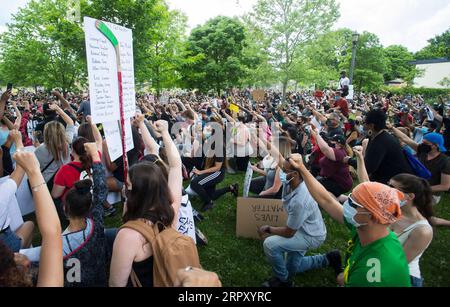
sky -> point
(406, 22)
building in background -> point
(433, 74)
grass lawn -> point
(241, 262)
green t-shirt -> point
(380, 264)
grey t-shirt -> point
(303, 212)
(45, 159)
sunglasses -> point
(353, 203)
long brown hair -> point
(85, 158)
(150, 197)
(421, 189)
(10, 274)
(55, 140)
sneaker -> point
(109, 212)
(235, 189)
(274, 282)
(201, 238)
(335, 261)
(207, 206)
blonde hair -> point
(56, 141)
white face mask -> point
(350, 213)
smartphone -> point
(9, 87)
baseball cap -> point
(437, 139)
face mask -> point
(283, 178)
(350, 213)
(424, 130)
(424, 149)
(403, 203)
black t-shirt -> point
(446, 123)
(334, 131)
(385, 158)
(437, 166)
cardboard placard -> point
(259, 95)
(253, 213)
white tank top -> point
(414, 269)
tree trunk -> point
(285, 84)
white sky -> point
(407, 22)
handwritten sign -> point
(102, 71)
(253, 213)
(259, 95)
(114, 141)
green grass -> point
(241, 262)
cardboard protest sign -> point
(248, 179)
(103, 71)
(253, 213)
(259, 95)
(114, 141)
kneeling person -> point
(305, 230)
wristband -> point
(36, 188)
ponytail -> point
(420, 187)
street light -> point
(355, 39)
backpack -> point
(172, 251)
(83, 174)
(418, 168)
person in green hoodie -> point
(375, 257)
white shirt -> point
(8, 188)
(186, 224)
(344, 82)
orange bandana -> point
(382, 201)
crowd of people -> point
(377, 163)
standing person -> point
(304, 231)
(384, 156)
(85, 108)
(376, 257)
(344, 84)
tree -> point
(218, 47)
(371, 62)
(438, 47)
(288, 25)
(398, 61)
(42, 47)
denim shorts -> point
(10, 239)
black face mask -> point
(424, 149)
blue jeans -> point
(11, 240)
(275, 248)
(416, 282)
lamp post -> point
(355, 39)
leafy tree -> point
(288, 25)
(218, 45)
(399, 66)
(371, 62)
(438, 47)
(42, 47)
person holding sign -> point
(305, 230)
